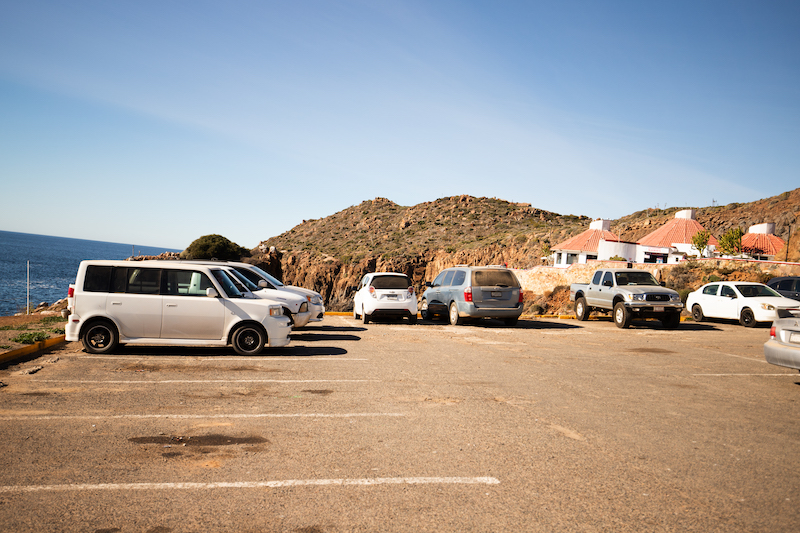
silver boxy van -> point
(157, 302)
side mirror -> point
(262, 284)
(733, 296)
(607, 283)
(428, 284)
(663, 283)
(211, 292)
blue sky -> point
(154, 123)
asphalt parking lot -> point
(555, 425)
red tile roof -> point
(586, 241)
(677, 230)
(761, 244)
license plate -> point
(659, 309)
(392, 296)
(794, 337)
(497, 294)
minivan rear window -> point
(494, 278)
(390, 282)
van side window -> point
(137, 280)
(97, 278)
(459, 278)
(186, 283)
(448, 278)
(438, 281)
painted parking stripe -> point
(191, 359)
(767, 375)
(173, 381)
(209, 416)
(257, 484)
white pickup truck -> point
(628, 293)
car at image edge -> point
(748, 302)
(783, 346)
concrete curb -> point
(33, 348)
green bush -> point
(30, 338)
(214, 247)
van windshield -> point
(238, 276)
(227, 284)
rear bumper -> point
(782, 355)
(469, 310)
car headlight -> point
(636, 297)
(768, 307)
(314, 300)
(675, 297)
(275, 310)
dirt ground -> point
(12, 326)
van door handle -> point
(116, 303)
(172, 305)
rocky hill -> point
(332, 254)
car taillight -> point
(772, 332)
(521, 298)
(71, 292)
(468, 294)
(410, 291)
(372, 291)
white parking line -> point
(257, 484)
(172, 381)
(191, 359)
(718, 375)
(184, 416)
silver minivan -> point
(473, 292)
(159, 302)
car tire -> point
(581, 311)
(423, 310)
(248, 340)
(697, 313)
(356, 316)
(365, 317)
(622, 317)
(455, 320)
(412, 319)
(100, 337)
(747, 318)
(671, 320)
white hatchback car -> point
(385, 294)
(172, 303)
(747, 302)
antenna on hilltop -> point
(713, 203)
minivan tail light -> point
(468, 294)
(521, 296)
(772, 332)
(71, 292)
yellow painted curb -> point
(27, 350)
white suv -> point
(158, 302)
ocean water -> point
(53, 265)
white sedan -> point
(749, 303)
